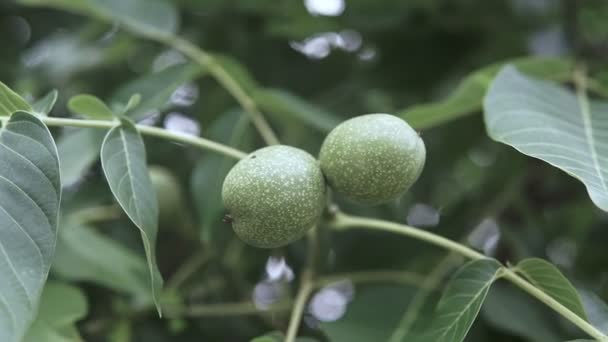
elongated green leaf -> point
(61, 306)
(462, 301)
(550, 280)
(133, 102)
(468, 96)
(78, 150)
(155, 89)
(11, 102)
(547, 122)
(90, 107)
(44, 105)
(30, 191)
(155, 18)
(285, 105)
(83, 254)
(123, 158)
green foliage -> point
(548, 278)
(181, 69)
(30, 192)
(90, 107)
(155, 89)
(462, 300)
(79, 248)
(10, 101)
(61, 306)
(44, 105)
(78, 150)
(547, 122)
(468, 96)
(123, 157)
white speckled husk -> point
(373, 158)
(274, 195)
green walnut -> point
(274, 195)
(372, 159)
(168, 192)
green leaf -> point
(44, 105)
(78, 150)
(155, 89)
(83, 254)
(61, 306)
(462, 301)
(123, 159)
(30, 191)
(283, 104)
(154, 18)
(90, 107)
(468, 96)
(133, 102)
(11, 102)
(545, 121)
(596, 310)
(550, 280)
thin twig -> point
(227, 81)
(192, 140)
(344, 222)
(307, 286)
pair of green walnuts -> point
(275, 194)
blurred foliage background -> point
(309, 65)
